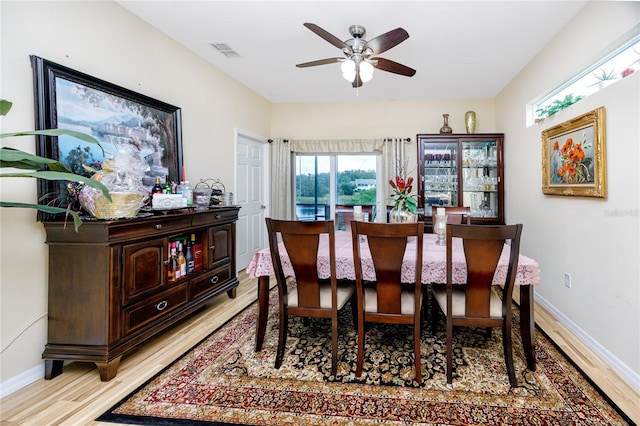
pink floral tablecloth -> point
(434, 263)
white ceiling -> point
(460, 49)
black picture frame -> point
(115, 116)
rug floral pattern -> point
(224, 380)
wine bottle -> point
(157, 188)
(171, 273)
(167, 188)
(173, 265)
(189, 255)
(182, 262)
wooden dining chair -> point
(476, 304)
(387, 300)
(455, 215)
(304, 293)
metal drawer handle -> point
(218, 216)
(166, 262)
(212, 247)
(158, 226)
(214, 279)
(161, 306)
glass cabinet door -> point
(480, 178)
(440, 178)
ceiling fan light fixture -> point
(366, 71)
(348, 68)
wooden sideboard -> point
(108, 283)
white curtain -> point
(393, 157)
(281, 178)
(336, 146)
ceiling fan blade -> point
(386, 41)
(394, 67)
(319, 62)
(357, 82)
(327, 36)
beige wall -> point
(597, 241)
(106, 41)
(348, 120)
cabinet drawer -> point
(151, 226)
(143, 313)
(209, 281)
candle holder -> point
(440, 228)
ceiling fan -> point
(359, 58)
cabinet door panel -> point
(220, 246)
(144, 269)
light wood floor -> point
(77, 396)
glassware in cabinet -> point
(462, 170)
(439, 175)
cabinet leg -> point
(232, 293)
(108, 370)
(52, 368)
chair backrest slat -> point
(301, 241)
(387, 244)
(483, 247)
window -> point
(621, 62)
(324, 181)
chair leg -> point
(360, 355)
(416, 350)
(334, 343)
(508, 353)
(449, 350)
(282, 337)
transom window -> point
(620, 63)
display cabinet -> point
(462, 170)
(111, 288)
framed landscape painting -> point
(120, 119)
(574, 157)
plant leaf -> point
(55, 132)
(52, 175)
(5, 106)
(17, 159)
(47, 209)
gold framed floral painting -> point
(574, 157)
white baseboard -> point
(631, 376)
(21, 380)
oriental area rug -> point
(222, 380)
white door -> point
(250, 196)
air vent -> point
(226, 50)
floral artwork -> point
(573, 157)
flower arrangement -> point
(402, 187)
(574, 166)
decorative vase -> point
(445, 127)
(470, 121)
(401, 214)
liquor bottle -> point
(182, 262)
(167, 187)
(157, 188)
(189, 255)
(174, 268)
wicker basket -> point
(124, 205)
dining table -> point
(434, 271)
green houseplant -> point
(557, 105)
(33, 166)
